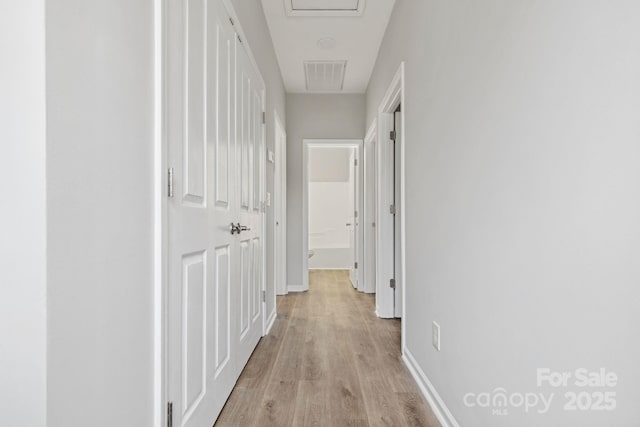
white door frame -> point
(368, 282)
(161, 214)
(385, 241)
(160, 224)
(280, 208)
(307, 143)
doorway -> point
(332, 203)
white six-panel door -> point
(250, 165)
(215, 137)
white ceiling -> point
(357, 26)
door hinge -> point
(264, 296)
(239, 39)
(169, 414)
(232, 23)
(355, 265)
(170, 182)
(392, 135)
(392, 283)
(355, 214)
(264, 118)
(392, 209)
(355, 162)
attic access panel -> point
(324, 7)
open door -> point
(280, 208)
(354, 225)
(389, 268)
(368, 222)
(397, 246)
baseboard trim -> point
(297, 288)
(330, 269)
(438, 406)
(270, 321)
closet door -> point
(213, 279)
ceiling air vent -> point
(324, 7)
(324, 76)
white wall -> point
(100, 212)
(313, 117)
(523, 196)
(329, 164)
(23, 340)
(254, 25)
(331, 206)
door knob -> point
(238, 228)
(234, 229)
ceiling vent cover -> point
(324, 76)
(324, 7)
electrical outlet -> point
(435, 335)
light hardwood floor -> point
(328, 361)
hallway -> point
(327, 361)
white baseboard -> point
(297, 288)
(270, 321)
(438, 406)
(330, 269)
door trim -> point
(160, 210)
(160, 219)
(307, 143)
(395, 96)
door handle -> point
(348, 224)
(234, 229)
(238, 228)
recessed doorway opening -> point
(332, 206)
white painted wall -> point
(313, 117)
(254, 25)
(523, 196)
(331, 205)
(100, 177)
(329, 164)
(23, 311)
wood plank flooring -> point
(328, 361)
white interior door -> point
(353, 221)
(369, 218)
(385, 219)
(251, 148)
(215, 148)
(280, 207)
(397, 252)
